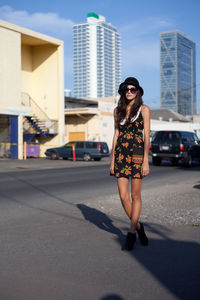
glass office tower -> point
(177, 72)
(97, 67)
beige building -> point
(90, 119)
(31, 90)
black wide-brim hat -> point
(130, 81)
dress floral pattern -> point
(129, 150)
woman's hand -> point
(112, 168)
(145, 169)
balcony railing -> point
(39, 118)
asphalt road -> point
(61, 232)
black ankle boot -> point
(142, 236)
(130, 241)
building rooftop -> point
(164, 114)
(81, 101)
(31, 37)
(179, 32)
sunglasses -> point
(132, 90)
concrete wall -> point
(45, 78)
(107, 122)
(93, 129)
(27, 68)
(10, 69)
(42, 79)
(40, 76)
(107, 129)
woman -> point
(130, 153)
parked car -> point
(83, 149)
(175, 146)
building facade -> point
(31, 90)
(177, 72)
(97, 66)
(90, 119)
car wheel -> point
(156, 161)
(188, 160)
(65, 158)
(97, 158)
(86, 157)
(54, 155)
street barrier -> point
(73, 152)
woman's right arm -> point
(115, 137)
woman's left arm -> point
(146, 118)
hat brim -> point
(123, 84)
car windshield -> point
(167, 137)
(68, 145)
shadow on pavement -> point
(176, 264)
(197, 186)
(101, 220)
(111, 297)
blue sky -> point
(138, 22)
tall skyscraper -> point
(177, 72)
(96, 58)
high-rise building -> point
(177, 72)
(96, 58)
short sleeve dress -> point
(129, 149)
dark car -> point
(175, 146)
(83, 150)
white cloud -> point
(50, 23)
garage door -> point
(77, 136)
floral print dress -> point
(129, 150)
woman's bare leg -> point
(136, 203)
(123, 187)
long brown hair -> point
(122, 105)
